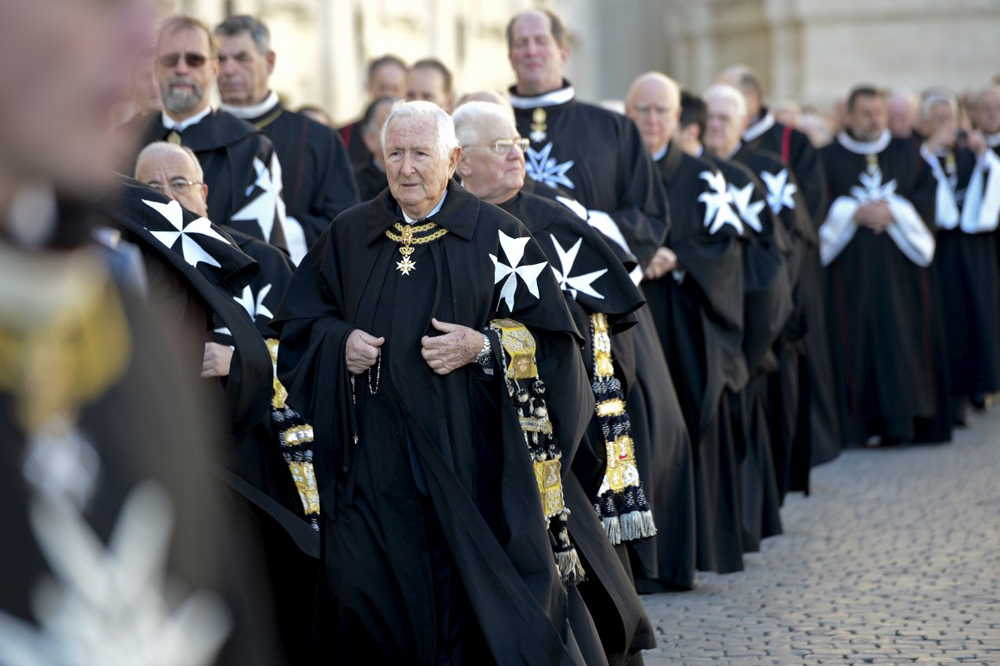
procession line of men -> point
(476, 382)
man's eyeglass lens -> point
(192, 60)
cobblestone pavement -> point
(894, 559)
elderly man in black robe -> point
(317, 178)
(606, 483)
(427, 340)
(877, 244)
(767, 305)
(234, 154)
(697, 304)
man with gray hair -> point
(428, 342)
(317, 179)
(234, 154)
(967, 212)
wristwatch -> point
(485, 357)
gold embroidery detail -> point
(520, 346)
(408, 237)
(539, 119)
(603, 365)
(548, 475)
(305, 482)
(610, 408)
(174, 138)
(280, 394)
(68, 359)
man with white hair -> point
(606, 480)
(876, 242)
(427, 340)
(235, 155)
(768, 290)
(803, 433)
(966, 215)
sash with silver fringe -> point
(526, 389)
(621, 503)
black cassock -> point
(967, 210)
(434, 539)
(371, 180)
(767, 294)
(593, 281)
(821, 421)
(141, 426)
(788, 398)
(241, 168)
(206, 288)
(316, 173)
(598, 158)
(889, 363)
(700, 318)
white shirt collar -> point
(661, 153)
(410, 220)
(182, 125)
(865, 147)
(993, 140)
(254, 110)
(554, 98)
(759, 127)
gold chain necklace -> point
(408, 238)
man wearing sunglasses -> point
(318, 177)
(237, 158)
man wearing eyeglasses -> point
(317, 176)
(237, 158)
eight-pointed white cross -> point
(192, 252)
(513, 248)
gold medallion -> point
(408, 237)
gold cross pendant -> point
(407, 265)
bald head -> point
(175, 172)
(745, 79)
(654, 105)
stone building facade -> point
(809, 50)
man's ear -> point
(463, 169)
(204, 190)
(456, 158)
(272, 58)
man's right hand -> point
(362, 351)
